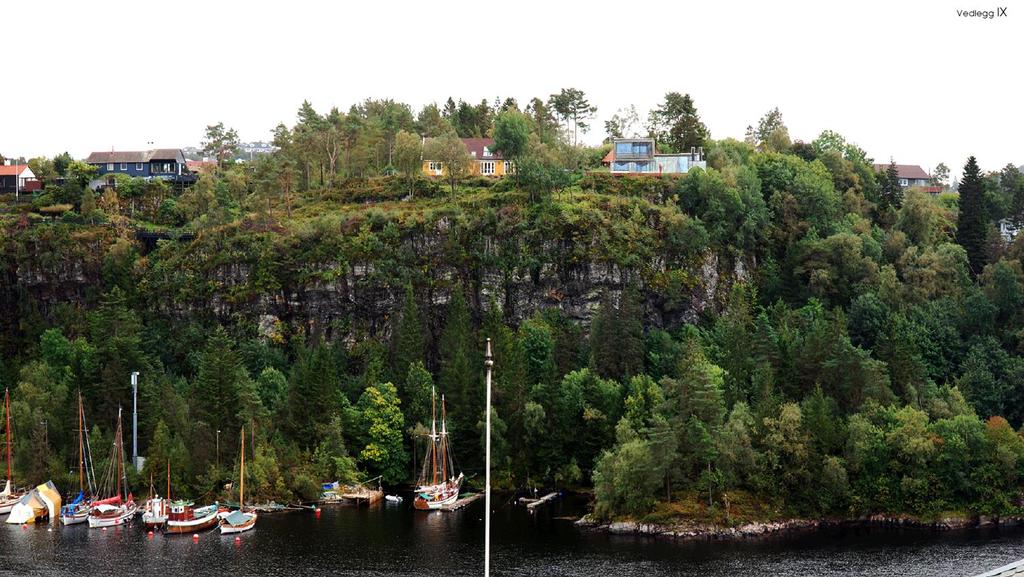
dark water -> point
(395, 540)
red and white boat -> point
(120, 507)
(438, 485)
(10, 496)
(184, 517)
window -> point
(138, 166)
(507, 167)
(434, 166)
(620, 166)
(487, 152)
(124, 166)
(640, 148)
(903, 182)
(110, 167)
(487, 167)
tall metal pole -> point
(488, 363)
(135, 419)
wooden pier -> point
(532, 504)
(462, 502)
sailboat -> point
(119, 508)
(438, 485)
(154, 512)
(77, 511)
(242, 519)
(10, 496)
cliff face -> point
(342, 276)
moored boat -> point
(185, 517)
(40, 504)
(120, 507)
(438, 485)
(10, 496)
(243, 519)
(77, 511)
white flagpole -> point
(488, 363)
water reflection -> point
(396, 540)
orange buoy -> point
(24, 526)
(317, 510)
(150, 534)
(195, 536)
(104, 528)
(238, 539)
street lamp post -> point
(488, 363)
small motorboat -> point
(392, 498)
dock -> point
(462, 502)
(1011, 570)
(532, 504)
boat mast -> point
(444, 442)
(117, 450)
(81, 445)
(433, 436)
(89, 470)
(7, 413)
(168, 496)
(241, 475)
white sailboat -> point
(438, 484)
(120, 508)
(77, 511)
(243, 519)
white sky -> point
(902, 78)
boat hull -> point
(434, 504)
(74, 518)
(115, 520)
(228, 528)
(200, 524)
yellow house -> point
(486, 163)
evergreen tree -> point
(408, 345)
(971, 221)
(220, 378)
(315, 393)
(890, 192)
(458, 381)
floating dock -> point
(462, 502)
(366, 497)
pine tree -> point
(630, 342)
(604, 358)
(408, 342)
(971, 222)
(219, 381)
(890, 192)
(458, 380)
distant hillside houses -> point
(912, 175)
(247, 151)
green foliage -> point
(381, 416)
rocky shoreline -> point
(689, 530)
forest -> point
(788, 333)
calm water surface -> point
(395, 540)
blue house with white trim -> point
(163, 163)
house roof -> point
(476, 148)
(136, 156)
(12, 169)
(608, 158)
(908, 171)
